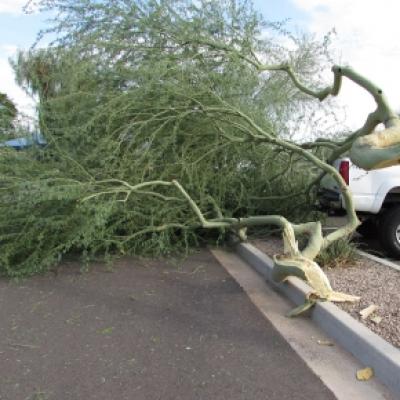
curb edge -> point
(383, 261)
(365, 345)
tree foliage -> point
(8, 113)
(135, 92)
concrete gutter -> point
(366, 346)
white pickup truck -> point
(376, 197)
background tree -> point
(8, 113)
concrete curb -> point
(366, 346)
(379, 260)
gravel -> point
(375, 283)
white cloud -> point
(12, 6)
(368, 39)
(8, 49)
(24, 103)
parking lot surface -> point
(147, 330)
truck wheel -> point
(389, 229)
(368, 229)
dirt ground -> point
(147, 330)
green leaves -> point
(128, 92)
(8, 113)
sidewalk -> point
(145, 331)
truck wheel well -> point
(392, 198)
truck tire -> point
(389, 232)
(368, 229)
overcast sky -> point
(368, 36)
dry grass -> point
(341, 253)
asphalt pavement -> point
(145, 330)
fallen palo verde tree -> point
(172, 93)
(367, 149)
